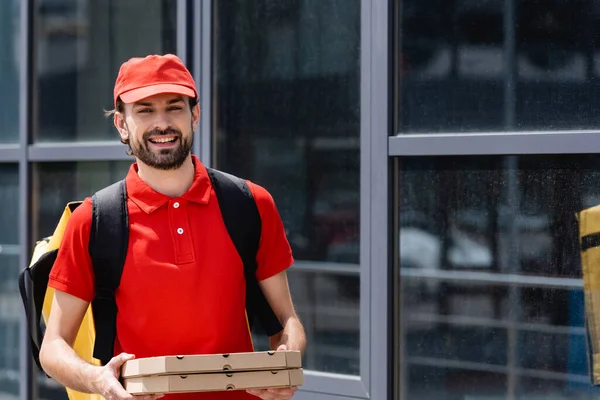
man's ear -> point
(119, 121)
(195, 117)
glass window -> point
(558, 64)
(54, 185)
(287, 117)
(80, 46)
(485, 245)
(11, 307)
(9, 70)
(461, 69)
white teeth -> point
(164, 140)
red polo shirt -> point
(183, 289)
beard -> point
(165, 159)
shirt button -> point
(180, 231)
(176, 204)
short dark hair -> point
(121, 109)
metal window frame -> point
(26, 153)
(376, 282)
(203, 75)
(80, 151)
(28, 370)
(495, 143)
(77, 151)
(375, 360)
(507, 142)
(374, 381)
(182, 39)
(10, 153)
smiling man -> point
(183, 289)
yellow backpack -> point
(589, 241)
(42, 260)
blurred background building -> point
(427, 158)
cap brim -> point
(136, 95)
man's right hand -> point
(107, 384)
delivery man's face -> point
(160, 129)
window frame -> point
(509, 142)
(27, 152)
(375, 285)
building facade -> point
(427, 159)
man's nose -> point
(161, 121)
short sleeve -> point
(72, 271)
(274, 252)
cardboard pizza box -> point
(210, 382)
(207, 363)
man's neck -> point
(172, 183)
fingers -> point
(273, 394)
(282, 347)
(261, 394)
(116, 392)
(283, 394)
(119, 360)
(116, 363)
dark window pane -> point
(451, 66)
(497, 214)
(80, 47)
(10, 301)
(574, 387)
(485, 246)
(557, 64)
(436, 381)
(9, 70)
(287, 117)
(454, 75)
(56, 184)
(329, 307)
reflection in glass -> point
(10, 301)
(557, 64)
(287, 117)
(451, 66)
(485, 246)
(9, 70)
(454, 75)
(454, 383)
(56, 184)
(80, 47)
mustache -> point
(161, 132)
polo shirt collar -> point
(149, 199)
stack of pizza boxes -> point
(214, 372)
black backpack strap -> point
(31, 311)
(109, 237)
(243, 223)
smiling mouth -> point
(162, 140)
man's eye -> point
(144, 110)
(175, 108)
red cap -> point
(144, 77)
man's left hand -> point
(275, 394)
